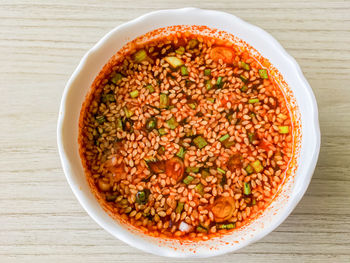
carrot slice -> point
(223, 53)
(223, 208)
(175, 168)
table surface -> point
(41, 43)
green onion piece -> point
(200, 142)
(108, 98)
(227, 143)
(243, 78)
(226, 226)
(244, 88)
(252, 101)
(180, 51)
(181, 153)
(253, 202)
(207, 72)
(224, 137)
(151, 124)
(171, 107)
(179, 207)
(192, 105)
(212, 100)
(245, 66)
(188, 179)
(201, 229)
(172, 123)
(117, 78)
(150, 88)
(163, 101)
(246, 189)
(161, 150)
(100, 119)
(128, 113)
(208, 85)
(251, 137)
(142, 196)
(184, 71)
(205, 173)
(140, 56)
(219, 81)
(175, 62)
(249, 169)
(221, 170)
(257, 166)
(134, 94)
(199, 189)
(263, 74)
(192, 43)
(192, 169)
(162, 131)
(119, 124)
(283, 129)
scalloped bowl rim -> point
(122, 234)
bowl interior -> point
(295, 87)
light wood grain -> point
(41, 42)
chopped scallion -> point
(207, 72)
(119, 124)
(184, 71)
(252, 101)
(244, 88)
(243, 78)
(245, 66)
(199, 189)
(208, 85)
(150, 88)
(263, 73)
(224, 137)
(200, 142)
(128, 113)
(180, 51)
(179, 207)
(201, 229)
(226, 226)
(172, 123)
(249, 169)
(192, 169)
(188, 179)
(100, 119)
(246, 189)
(163, 101)
(117, 78)
(134, 94)
(192, 105)
(283, 129)
(221, 170)
(212, 100)
(151, 124)
(162, 131)
(219, 82)
(181, 152)
(140, 56)
(257, 166)
(175, 62)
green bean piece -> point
(222, 171)
(162, 131)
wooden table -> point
(41, 43)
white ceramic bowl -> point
(305, 109)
